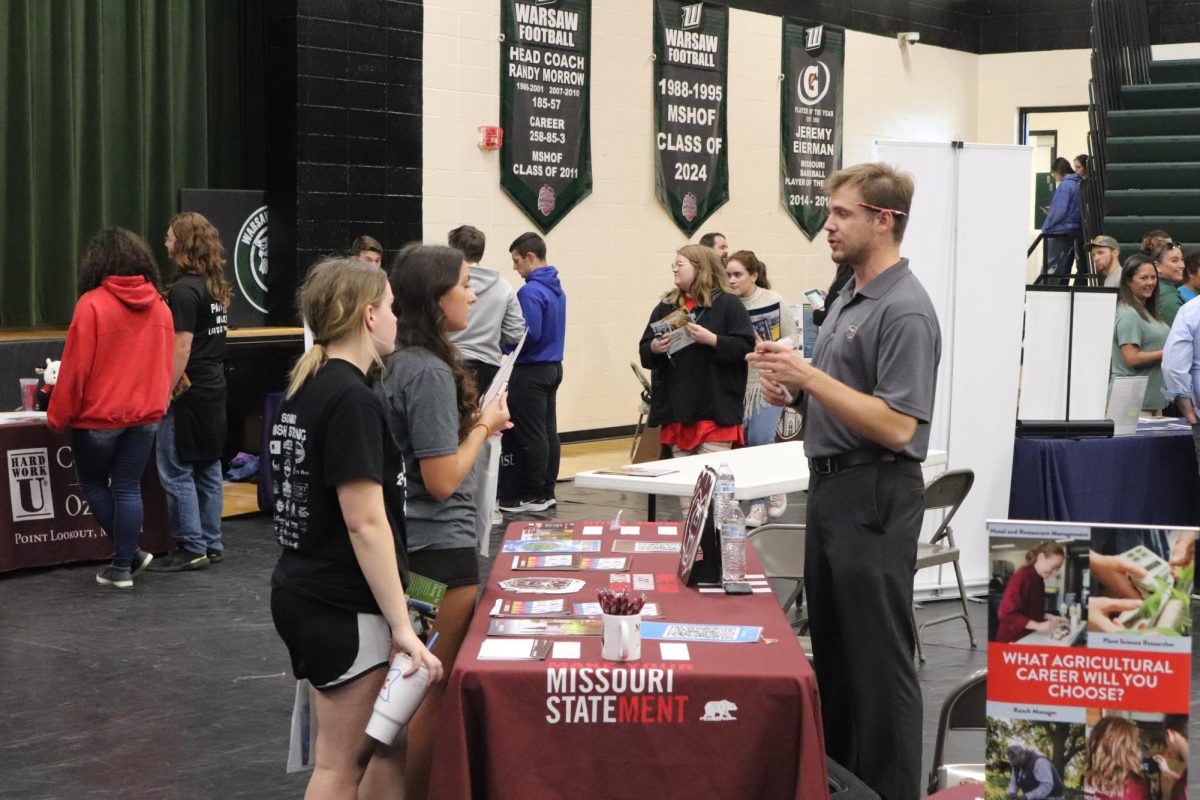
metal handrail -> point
(1120, 57)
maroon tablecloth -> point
(517, 729)
(44, 517)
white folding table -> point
(758, 472)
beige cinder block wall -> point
(615, 248)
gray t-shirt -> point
(883, 341)
(422, 407)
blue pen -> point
(433, 640)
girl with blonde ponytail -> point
(337, 593)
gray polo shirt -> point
(883, 341)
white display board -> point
(1068, 345)
(966, 242)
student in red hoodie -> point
(112, 388)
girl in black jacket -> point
(697, 391)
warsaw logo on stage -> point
(250, 259)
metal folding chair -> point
(780, 550)
(643, 409)
(964, 709)
(947, 490)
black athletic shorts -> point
(455, 567)
(329, 646)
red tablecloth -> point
(44, 517)
(517, 729)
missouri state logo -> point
(250, 259)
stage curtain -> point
(106, 114)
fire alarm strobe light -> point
(490, 137)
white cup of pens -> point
(398, 697)
(621, 634)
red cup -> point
(29, 387)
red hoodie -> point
(117, 364)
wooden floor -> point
(242, 498)
(583, 456)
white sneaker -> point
(757, 515)
(778, 506)
(497, 517)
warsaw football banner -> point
(810, 119)
(691, 56)
(545, 76)
(1089, 659)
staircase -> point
(1152, 174)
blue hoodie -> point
(1066, 213)
(545, 308)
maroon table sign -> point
(700, 556)
(44, 517)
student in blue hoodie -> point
(1064, 222)
(531, 447)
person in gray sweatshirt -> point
(495, 319)
(496, 316)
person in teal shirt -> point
(1169, 262)
(1191, 278)
(1139, 333)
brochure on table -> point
(1109, 661)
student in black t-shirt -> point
(337, 593)
(433, 413)
(192, 434)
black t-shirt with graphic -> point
(332, 432)
(198, 313)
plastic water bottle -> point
(723, 495)
(733, 546)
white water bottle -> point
(733, 546)
(723, 495)
(398, 699)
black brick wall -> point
(344, 132)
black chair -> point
(947, 490)
(964, 709)
(843, 785)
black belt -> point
(830, 465)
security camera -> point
(909, 37)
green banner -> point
(691, 57)
(810, 118)
(545, 75)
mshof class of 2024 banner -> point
(691, 57)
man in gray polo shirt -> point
(868, 400)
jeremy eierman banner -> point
(546, 156)
(691, 58)
(811, 118)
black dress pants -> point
(860, 551)
(530, 449)
(483, 374)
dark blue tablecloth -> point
(1150, 478)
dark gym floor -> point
(180, 688)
